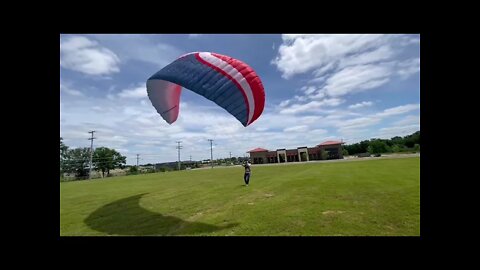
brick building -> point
(332, 150)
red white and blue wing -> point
(230, 83)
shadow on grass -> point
(127, 217)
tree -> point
(416, 147)
(63, 149)
(401, 143)
(388, 149)
(377, 147)
(396, 148)
(133, 170)
(106, 159)
(77, 161)
(63, 156)
(412, 139)
(345, 152)
(364, 146)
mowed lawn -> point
(359, 198)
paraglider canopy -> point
(229, 82)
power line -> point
(179, 147)
(211, 151)
(91, 153)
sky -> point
(319, 87)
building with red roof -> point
(256, 150)
(324, 150)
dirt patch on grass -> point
(196, 215)
(332, 212)
(299, 223)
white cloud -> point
(145, 48)
(379, 54)
(361, 105)
(414, 41)
(230, 127)
(131, 111)
(73, 92)
(410, 40)
(320, 94)
(309, 119)
(409, 120)
(408, 67)
(302, 53)
(359, 127)
(312, 105)
(403, 127)
(68, 90)
(261, 128)
(399, 110)
(300, 98)
(318, 73)
(344, 64)
(332, 102)
(389, 132)
(318, 80)
(284, 103)
(274, 121)
(357, 78)
(98, 109)
(309, 90)
(317, 132)
(301, 128)
(134, 93)
(358, 122)
(194, 35)
(84, 55)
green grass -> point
(361, 198)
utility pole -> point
(190, 158)
(137, 160)
(211, 152)
(179, 147)
(91, 154)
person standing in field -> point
(248, 170)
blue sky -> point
(317, 87)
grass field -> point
(364, 198)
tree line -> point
(77, 161)
(377, 146)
